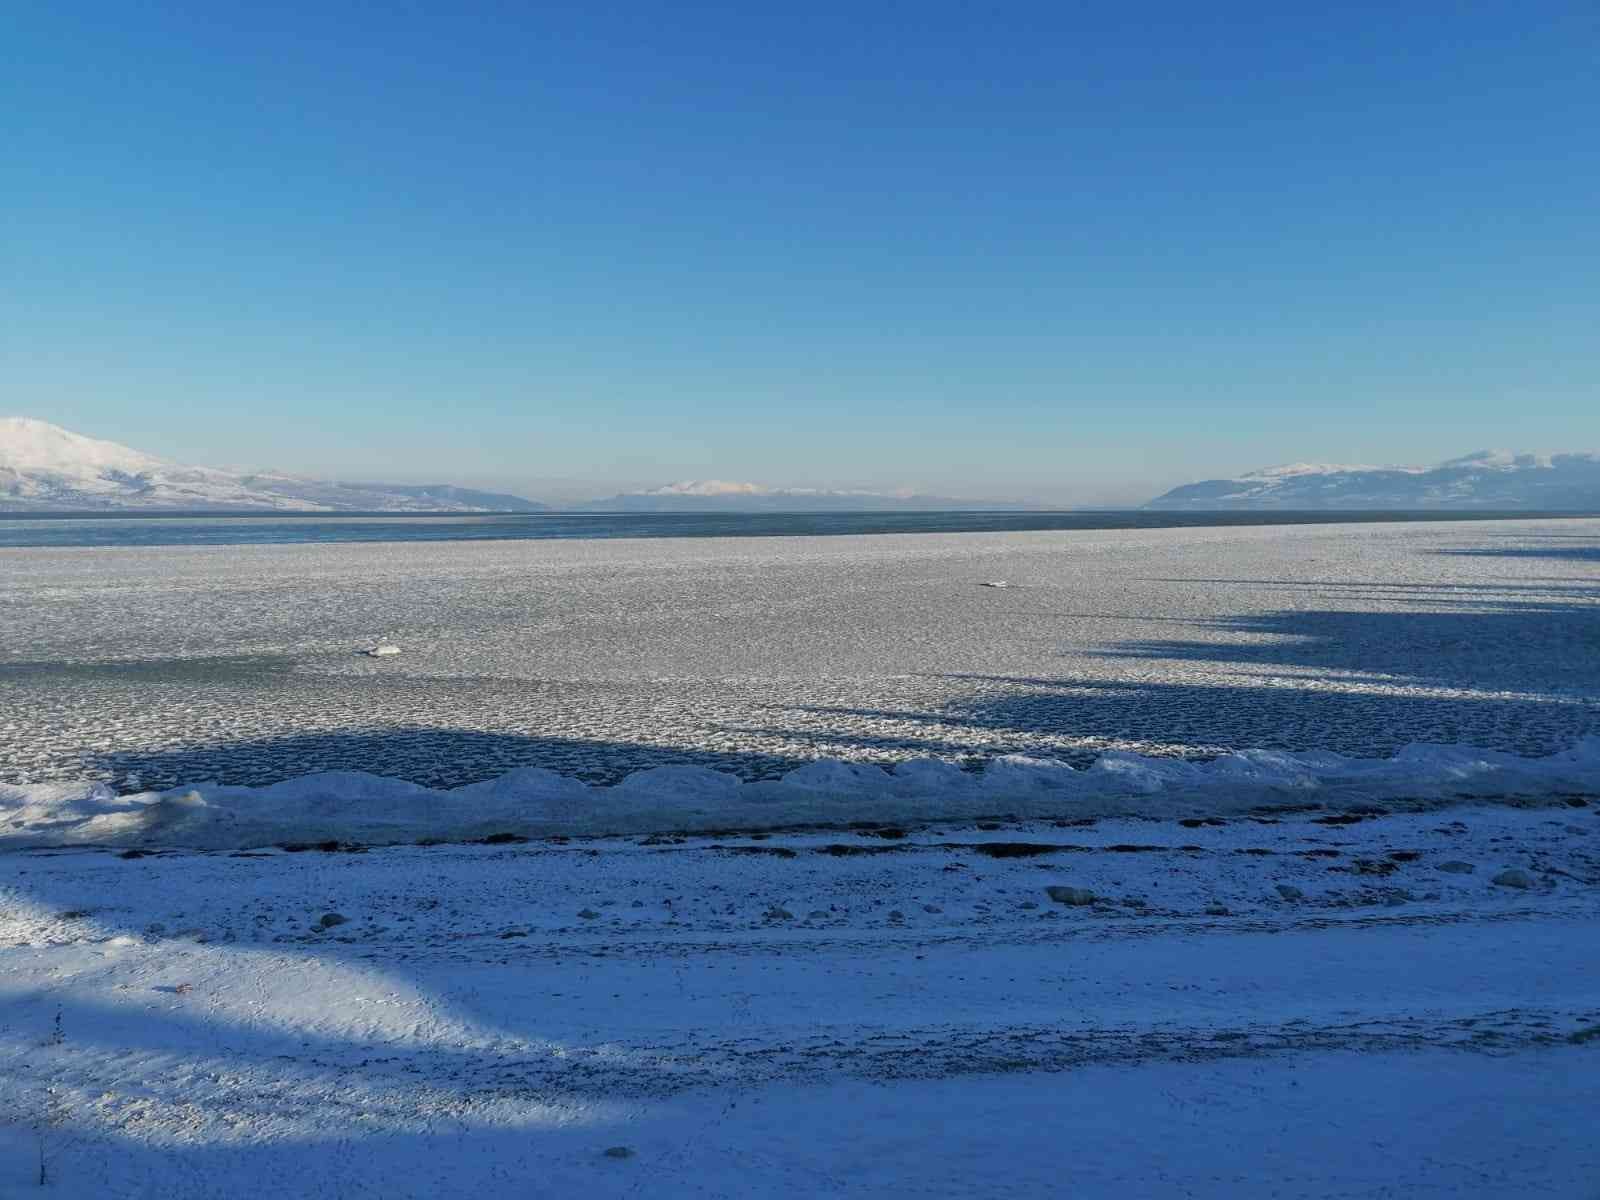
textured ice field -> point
(159, 666)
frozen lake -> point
(151, 666)
(1197, 995)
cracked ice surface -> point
(159, 666)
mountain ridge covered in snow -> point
(1486, 479)
(45, 468)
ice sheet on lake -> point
(159, 667)
(372, 809)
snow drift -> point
(372, 809)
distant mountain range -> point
(45, 468)
(1489, 479)
(716, 495)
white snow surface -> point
(1495, 460)
(31, 445)
(708, 487)
(360, 807)
(1289, 1007)
(1510, 460)
(1292, 470)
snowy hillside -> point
(1489, 479)
(45, 468)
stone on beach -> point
(1514, 878)
(1070, 895)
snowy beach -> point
(1401, 1005)
(1208, 862)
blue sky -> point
(1071, 252)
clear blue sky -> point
(1070, 251)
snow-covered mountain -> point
(44, 468)
(719, 495)
(1489, 479)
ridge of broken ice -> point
(356, 806)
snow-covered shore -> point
(366, 809)
(1208, 863)
(1294, 1006)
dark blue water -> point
(36, 530)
